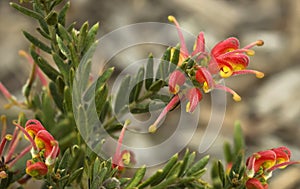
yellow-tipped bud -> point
(188, 106)
(8, 137)
(260, 42)
(171, 18)
(236, 97)
(152, 128)
(259, 75)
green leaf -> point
(163, 67)
(157, 85)
(239, 143)
(166, 183)
(100, 98)
(62, 66)
(222, 174)
(198, 165)
(67, 102)
(43, 33)
(57, 96)
(217, 183)
(37, 42)
(175, 169)
(62, 14)
(27, 11)
(166, 169)
(227, 152)
(82, 36)
(51, 18)
(104, 77)
(174, 59)
(90, 38)
(149, 72)
(63, 48)
(138, 82)
(157, 175)
(122, 95)
(136, 179)
(75, 174)
(186, 162)
(63, 33)
(44, 66)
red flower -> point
(194, 96)
(33, 126)
(46, 144)
(177, 79)
(229, 59)
(36, 169)
(254, 183)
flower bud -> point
(177, 79)
(33, 126)
(36, 169)
(254, 183)
(194, 96)
(45, 141)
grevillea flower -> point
(260, 165)
(194, 96)
(46, 144)
(125, 157)
(33, 126)
(230, 59)
(176, 80)
(254, 183)
(36, 169)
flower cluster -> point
(260, 166)
(44, 149)
(226, 59)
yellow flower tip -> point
(188, 107)
(225, 72)
(259, 75)
(3, 175)
(171, 18)
(236, 97)
(8, 137)
(260, 42)
(250, 52)
(22, 53)
(152, 128)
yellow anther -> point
(8, 137)
(206, 88)
(126, 158)
(171, 18)
(260, 42)
(259, 75)
(225, 72)
(152, 128)
(188, 106)
(236, 97)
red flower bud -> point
(254, 183)
(33, 126)
(45, 141)
(194, 96)
(36, 169)
(177, 79)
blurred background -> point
(270, 107)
